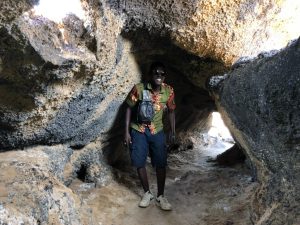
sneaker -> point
(163, 203)
(145, 202)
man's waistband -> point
(145, 123)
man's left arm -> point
(172, 124)
(171, 109)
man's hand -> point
(127, 140)
(172, 138)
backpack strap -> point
(146, 93)
(145, 86)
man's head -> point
(157, 73)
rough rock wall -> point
(11, 9)
(59, 86)
(260, 103)
(34, 184)
(224, 30)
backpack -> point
(145, 112)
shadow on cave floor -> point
(200, 192)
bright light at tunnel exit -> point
(56, 10)
(218, 128)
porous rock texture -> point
(57, 85)
(34, 184)
(224, 30)
(260, 103)
(64, 85)
(11, 9)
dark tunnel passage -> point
(188, 75)
(204, 165)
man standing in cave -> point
(144, 136)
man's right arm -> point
(127, 140)
(131, 100)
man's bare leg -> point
(161, 178)
(142, 172)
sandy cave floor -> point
(200, 193)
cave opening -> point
(56, 10)
(220, 133)
(198, 124)
(82, 172)
(196, 176)
(205, 164)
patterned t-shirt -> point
(161, 100)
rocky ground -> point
(200, 192)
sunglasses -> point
(159, 73)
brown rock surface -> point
(224, 30)
(51, 77)
(34, 184)
(10, 9)
(260, 103)
(31, 194)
